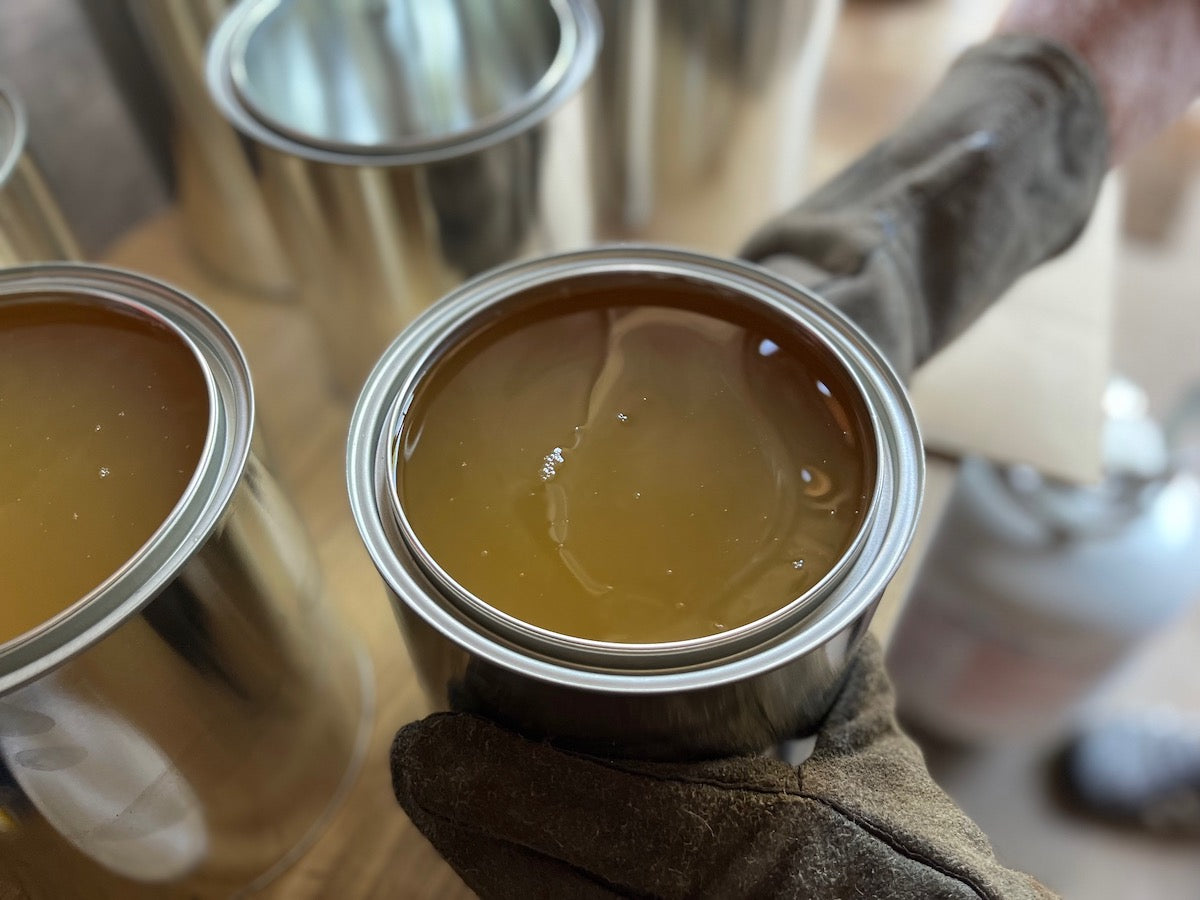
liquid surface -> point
(635, 473)
(103, 416)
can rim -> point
(199, 509)
(624, 655)
(884, 538)
(14, 129)
(580, 32)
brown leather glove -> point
(860, 818)
(997, 172)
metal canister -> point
(407, 145)
(1035, 591)
(700, 113)
(737, 691)
(188, 726)
(32, 227)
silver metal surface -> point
(224, 213)
(736, 692)
(408, 144)
(699, 115)
(186, 728)
(32, 227)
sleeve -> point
(995, 173)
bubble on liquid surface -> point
(550, 463)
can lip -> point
(208, 493)
(228, 82)
(885, 535)
(624, 655)
(14, 129)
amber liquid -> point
(634, 471)
(103, 417)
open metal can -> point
(741, 690)
(405, 146)
(185, 728)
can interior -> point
(595, 290)
(111, 315)
(387, 75)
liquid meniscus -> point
(103, 417)
(645, 466)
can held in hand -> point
(186, 726)
(32, 227)
(731, 686)
(407, 145)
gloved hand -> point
(860, 818)
(997, 172)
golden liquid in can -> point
(103, 417)
(640, 466)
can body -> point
(733, 692)
(32, 227)
(700, 114)
(376, 231)
(188, 727)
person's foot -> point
(1142, 768)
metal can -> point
(700, 113)
(738, 691)
(405, 146)
(187, 727)
(32, 227)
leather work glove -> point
(997, 172)
(860, 818)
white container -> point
(1034, 591)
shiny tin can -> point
(407, 145)
(32, 227)
(700, 113)
(737, 691)
(185, 728)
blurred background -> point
(102, 131)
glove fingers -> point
(517, 818)
(641, 826)
(495, 868)
(866, 768)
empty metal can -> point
(407, 145)
(700, 113)
(740, 690)
(186, 727)
(31, 226)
